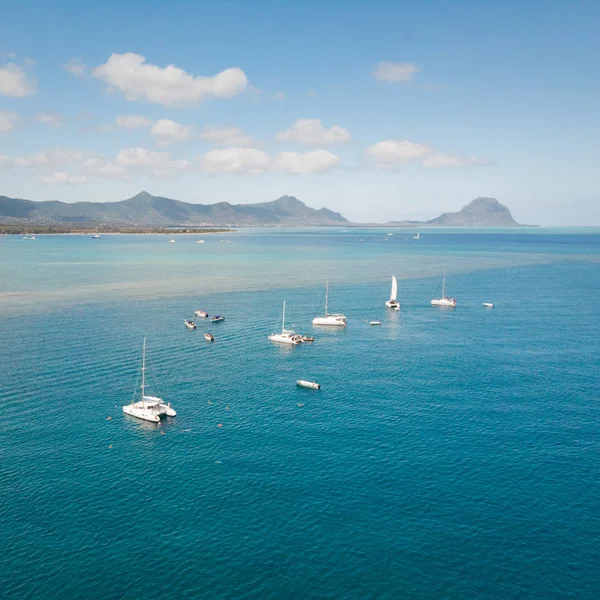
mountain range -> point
(145, 210)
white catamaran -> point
(392, 302)
(286, 336)
(443, 301)
(149, 408)
(330, 319)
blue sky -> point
(380, 110)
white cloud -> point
(160, 163)
(392, 154)
(394, 72)
(171, 169)
(298, 163)
(239, 161)
(8, 120)
(226, 136)
(438, 160)
(250, 161)
(6, 163)
(140, 157)
(62, 177)
(133, 122)
(14, 82)
(51, 119)
(75, 67)
(277, 96)
(105, 169)
(52, 157)
(311, 131)
(169, 132)
(170, 86)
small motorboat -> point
(488, 304)
(217, 319)
(201, 313)
(374, 322)
(171, 241)
(308, 338)
(190, 324)
(200, 242)
(209, 337)
(313, 385)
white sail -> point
(394, 288)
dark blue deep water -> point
(449, 453)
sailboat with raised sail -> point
(330, 319)
(444, 300)
(148, 408)
(287, 336)
(392, 302)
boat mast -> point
(283, 319)
(143, 369)
(444, 285)
(326, 297)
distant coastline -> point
(63, 230)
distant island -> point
(145, 213)
(481, 212)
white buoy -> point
(488, 305)
(309, 384)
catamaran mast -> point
(143, 369)
(326, 297)
(444, 285)
(283, 319)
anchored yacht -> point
(330, 319)
(148, 408)
(444, 300)
(287, 336)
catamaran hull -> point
(326, 322)
(144, 416)
(282, 340)
(393, 304)
(444, 302)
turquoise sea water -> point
(449, 453)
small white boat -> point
(217, 319)
(201, 313)
(392, 302)
(308, 384)
(374, 322)
(149, 408)
(171, 241)
(488, 304)
(308, 338)
(287, 336)
(390, 234)
(209, 337)
(200, 242)
(444, 300)
(190, 324)
(417, 237)
(330, 319)
(96, 236)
